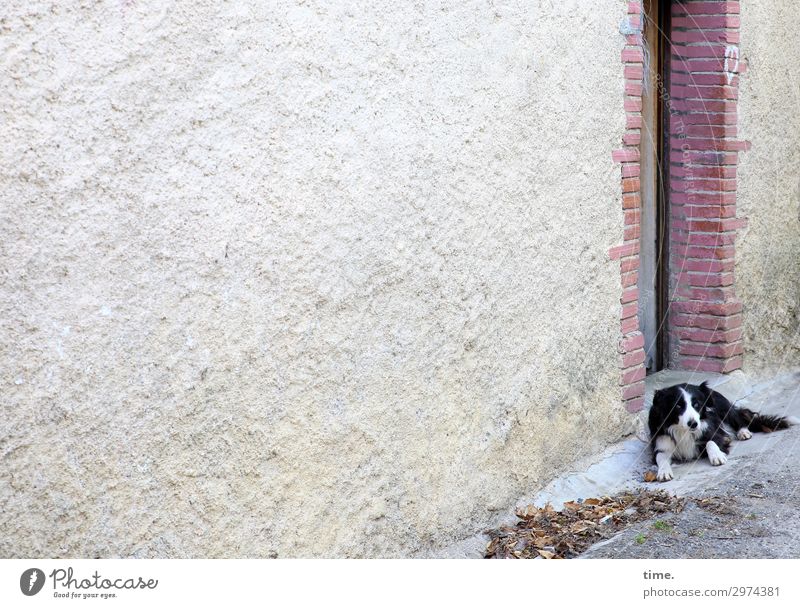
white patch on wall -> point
(58, 342)
(647, 67)
(731, 65)
(626, 28)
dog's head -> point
(683, 405)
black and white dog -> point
(688, 422)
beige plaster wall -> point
(768, 251)
(301, 278)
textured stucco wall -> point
(301, 278)
(768, 251)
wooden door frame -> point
(653, 280)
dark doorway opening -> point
(653, 281)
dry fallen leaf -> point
(650, 476)
(570, 531)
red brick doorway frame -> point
(703, 316)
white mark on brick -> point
(731, 66)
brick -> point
(633, 375)
(704, 279)
(631, 200)
(634, 71)
(624, 155)
(694, 78)
(704, 253)
(631, 343)
(695, 334)
(632, 139)
(634, 88)
(629, 263)
(708, 143)
(632, 217)
(704, 106)
(730, 37)
(708, 157)
(680, 129)
(704, 8)
(630, 169)
(631, 232)
(705, 240)
(633, 54)
(630, 185)
(703, 171)
(707, 265)
(702, 185)
(708, 199)
(700, 51)
(633, 121)
(707, 294)
(629, 278)
(699, 36)
(695, 91)
(729, 308)
(709, 118)
(733, 363)
(629, 310)
(633, 104)
(711, 225)
(702, 364)
(633, 358)
(630, 294)
(703, 211)
(634, 405)
(629, 325)
(712, 131)
(620, 251)
(632, 391)
(693, 66)
(711, 350)
(711, 322)
(706, 22)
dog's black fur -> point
(688, 422)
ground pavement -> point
(752, 506)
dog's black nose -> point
(692, 424)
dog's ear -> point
(655, 418)
(706, 392)
(666, 397)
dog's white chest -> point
(685, 443)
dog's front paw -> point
(743, 434)
(718, 459)
(664, 474)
